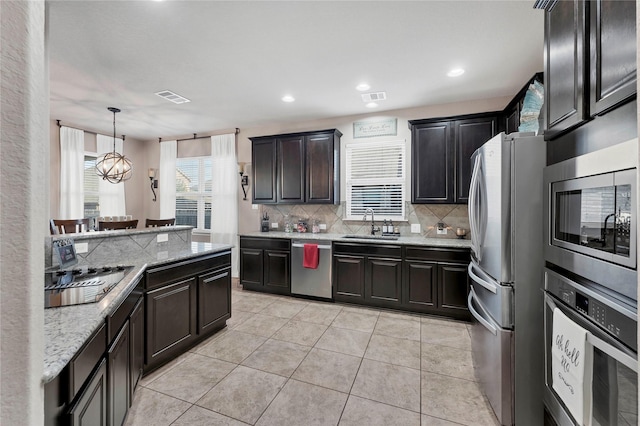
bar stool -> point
(68, 226)
(123, 224)
(152, 223)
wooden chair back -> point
(152, 223)
(68, 226)
(123, 224)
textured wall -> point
(23, 169)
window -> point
(376, 179)
(193, 192)
(91, 197)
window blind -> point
(193, 192)
(376, 179)
(90, 178)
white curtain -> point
(167, 179)
(71, 173)
(224, 194)
(110, 195)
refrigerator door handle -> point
(473, 211)
(484, 283)
(486, 323)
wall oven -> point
(611, 326)
(590, 221)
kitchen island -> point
(94, 353)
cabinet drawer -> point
(437, 254)
(86, 360)
(266, 243)
(116, 320)
(389, 250)
(172, 272)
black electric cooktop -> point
(81, 285)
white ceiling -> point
(234, 60)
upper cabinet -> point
(297, 168)
(441, 156)
(590, 60)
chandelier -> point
(112, 166)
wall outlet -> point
(82, 247)
(274, 225)
(161, 238)
(254, 206)
(323, 226)
(415, 228)
(442, 231)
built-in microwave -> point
(591, 218)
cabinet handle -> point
(216, 277)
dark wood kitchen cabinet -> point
(185, 302)
(119, 359)
(367, 274)
(91, 407)
(590, 65)
(297, 168)
(136, 340)
(441, 156)
(265, 264)
(435, 281)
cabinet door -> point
(512, 120)
(251, 266)
(383, 282)
(453, 289)
(612, 46)
(420, 289)
(432, 164)
(171, 320)
(319, 167)
(276, 271)
(291, 169)
(348, 278)
(470, 135)
(564, 66)
(136, 343)
(91, 408)
(119, 356)
(263, 157)
(214, 299)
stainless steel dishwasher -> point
(311, 282)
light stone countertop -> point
(403, 240)
(79, 236)
(67, 328)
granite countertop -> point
(67, 328)
(404, 240)
(79, 236)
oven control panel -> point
(615, 317)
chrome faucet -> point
(374, 228)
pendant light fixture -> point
(112, 166)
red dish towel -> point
(311, 256)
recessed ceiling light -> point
(288, 98)
(456, 72)
(362, 87)
(371, 105)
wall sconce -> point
(244, 179)
(154, 182)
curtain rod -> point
(195, 136)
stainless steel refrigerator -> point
(506, 274)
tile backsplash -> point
(427, 215)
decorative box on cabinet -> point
(297, 168)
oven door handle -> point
(605, 347)
(492, 329)
(321, 247)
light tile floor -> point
(285, 361)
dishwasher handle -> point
(321, 247)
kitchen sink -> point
(372, 237)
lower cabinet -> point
(214, 299)
(136, 342)
(119, 358)
(91, 408)
(435, 281)
(265, 264)
(367, 274)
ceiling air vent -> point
(374, 96)
(173, 97)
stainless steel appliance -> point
(505, 215)
(590, 205)
(611, 327)
(311, 282)
(591, 276)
